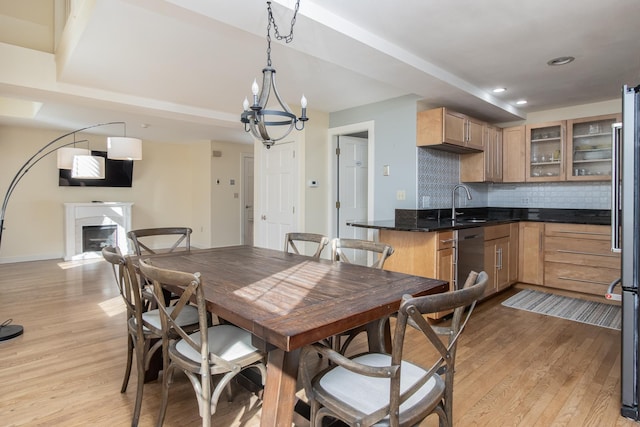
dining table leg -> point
(280, 389)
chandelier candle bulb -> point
(255, 89)
(303, 104)
(245, 104)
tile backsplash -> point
(439, 171)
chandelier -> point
(257, 118)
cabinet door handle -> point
(499, 258)
(583, 280)
(589, 233)
(564, 251)
(539, 242)
(447, 240)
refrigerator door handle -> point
(609, 294)
(616, 197)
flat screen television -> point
(118, 173)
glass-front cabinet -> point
(545, 152)
(589, 148)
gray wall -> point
(428, 175)
(395, 145)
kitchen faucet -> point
(453, 199)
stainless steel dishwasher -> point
(470, 253)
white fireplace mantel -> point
(78, 215)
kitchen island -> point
(561, 250)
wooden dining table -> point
(288, 301)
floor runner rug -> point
(593, 313)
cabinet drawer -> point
(579, 231)
(445, 240)
(584, 252)
(587, 279)
(497, 231)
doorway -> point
(247, 199)
(352, 179)
(278, 196)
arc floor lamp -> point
(82, 164)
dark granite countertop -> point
(440, 219)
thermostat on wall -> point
(313, 183)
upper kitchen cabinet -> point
(448, 130)
(589, 148)
(513, 153)
(485, 166)
(545, 152)
(493, 154)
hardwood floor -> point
(513, 367)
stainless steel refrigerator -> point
(625, 214)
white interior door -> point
(247, 200)
(278, 183)
(353, 171)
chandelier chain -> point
(287, 38)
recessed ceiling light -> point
(561, 60)
(500, 90)
(521, 102)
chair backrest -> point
(191, 287)
(142, 239)
(443, 338)
(380, 250)
(290, 239)
(128, 284)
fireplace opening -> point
(96, 237)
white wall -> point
(226, 197)
(315, 167)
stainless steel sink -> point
(472, 220)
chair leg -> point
(167, 376)
(127, 372)
(141, 349)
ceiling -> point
(183, 67)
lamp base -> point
(10, 331)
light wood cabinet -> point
(531, 253)
(497, 254)
(448, 130)
(493, 157)
(445, 265)
(513, 153)
(545, 152)
(589, 148)
(578, 258)
(422, 254)
(514, 240)
(487, 165)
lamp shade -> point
(123, 148)
(66, 155)
(88, 167)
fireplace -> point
(96, 237)
(91, 226)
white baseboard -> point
(38, 257)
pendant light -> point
(259, 120)
(66, 155)
(124, 148)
